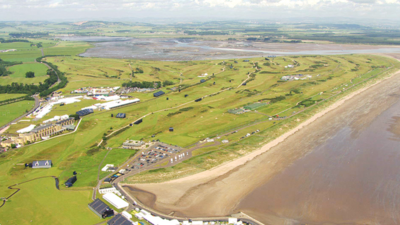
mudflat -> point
(340, 166)
(192, 49)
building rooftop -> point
(41, 164)
(39, 128)
(119, 220)
(99, 206)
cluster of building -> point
(36, 133)
(41, 111)
(112, 104)
(296, 77)
(102, 210)
(96, 91)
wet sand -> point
(192, 49)
(342, 168)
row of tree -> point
(29, 35)
(43, 88)
(3, 69)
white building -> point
(107, 190)
(225, 141)
(105, 168)
(116, 201)
(232, 220)
(127, 215)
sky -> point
(186, 10)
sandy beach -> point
(219, 191)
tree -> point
(29, 74)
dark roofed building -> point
(84, 112)
(71, 181)
(101, 209)
(138, 121)
(159, 93)
(41, 164)
(119, 220)
(120, 115)
(202, 81)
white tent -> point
(116, 201)
(26, 129)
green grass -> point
(19, 71)
(10, 96)
(206, 118)
(39, 202)
(13, 110)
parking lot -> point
(157, 156)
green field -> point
(25, 53)
(19, 71)
(192, 121)
(10, 96)
(13, 110)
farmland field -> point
(13, 110)
(19, 71)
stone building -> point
(39, 133)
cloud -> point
(49, 9)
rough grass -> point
(19, 71)
(11, 111)
(207, 118)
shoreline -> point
(221, 188)
(231, 165)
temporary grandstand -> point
(84, 112)
(120, 220)
(116, 201)
(120, 115)
(159, 93)
(101, 209)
